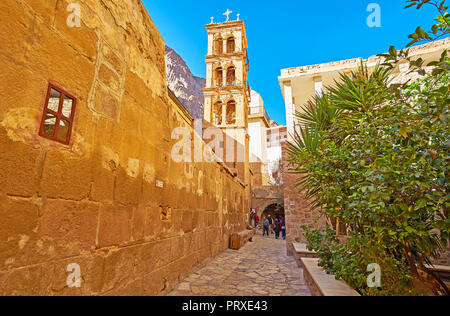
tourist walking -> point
(256, 220)
(277, 228)
(270, 219)
(266, 225)
(283, 228)
(252, 218)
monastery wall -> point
(297, 208)
(112, 201)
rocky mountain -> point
(187, 87)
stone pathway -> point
(261, 268)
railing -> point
(259, 111)
(228, 85)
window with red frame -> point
(57, 119)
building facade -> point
(276, 137)
(258, 124)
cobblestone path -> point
(260, 268)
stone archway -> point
(274, 210)
(264, 197)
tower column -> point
(224, 76)
(238, 130)
(224, 114)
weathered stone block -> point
(126, 190)
(140, 91)
(139, 222)
(71, 224)
(91, 269)
(82, 37)
(44, 9)
(66, 176)
(130, 118)
(109, 78)
(162, 252)
(105, 103)
(176, 248)
(103, 181)
(114, 60)
(115, 225)
(153, 224)
(187, 222)
(31, 281)
(19, 167)
(119, 268)
(19, 221)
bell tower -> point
(227, 93)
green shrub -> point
(374, 155)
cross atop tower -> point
(227, 13)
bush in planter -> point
(374, 155)
(349, 261)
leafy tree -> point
(373, 155)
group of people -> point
(270, 225)
(275, 226)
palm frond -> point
(318, 113)
(361, 91)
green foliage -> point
(318, 113)
(349, 260)
(439, 29)
(374, 155)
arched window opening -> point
(231, 76)
(217, 113)
(231, 113)
(219, 76)
(219, 46)
(231, 46)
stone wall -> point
(297, 208)
(265, 196)
(444, 260)
(112, 201)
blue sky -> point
(289, 33)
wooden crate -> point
(235, 241)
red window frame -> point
(59, 115)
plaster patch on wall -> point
(80, 145)
(23, 241)
(40, 244)
(9, 261)
(20, 123)
(104, 98)
(149, 173)
(110, 159)
(133, 167)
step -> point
(301, 251)
(322, 284)
(442, 271)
